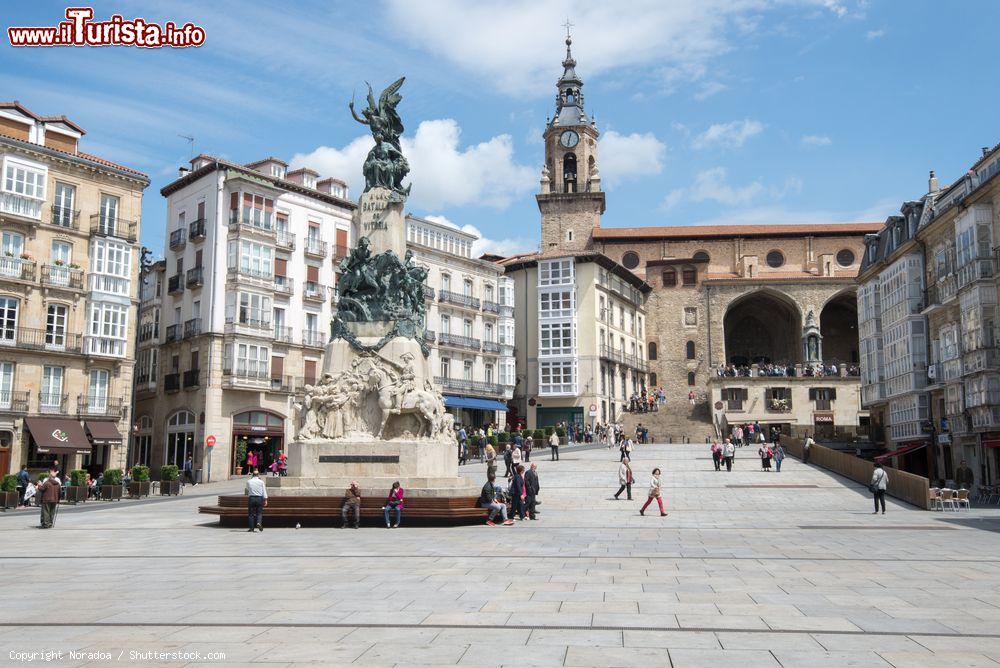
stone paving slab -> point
(740, 573)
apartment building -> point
(236, 317)
(469, 323)
(70, 223)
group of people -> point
(626, 478)
(750, 433)
(521, 492)
(785, 369)
(646, 401)
(725, 453)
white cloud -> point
(627, 156)
(708, 89)
(442, 172)
(816, 140)
(507, 246)
(776, 215)
(874, 34)
(517, 44)
(728, 135)
(711, 185)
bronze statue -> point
(385, 166)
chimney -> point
(932, 183)
(182, 172)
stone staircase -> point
(677, 422)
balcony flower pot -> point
(170, 484)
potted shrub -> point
(503, 437)
(549, 431)
(241, 454)
(561, 433)
(539, 436)
(77, 490)
(492, 440)
(140, 481)
(8, 492)
(170, 480)
(111, 489)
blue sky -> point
(743, 111)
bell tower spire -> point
(570, 197)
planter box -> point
(170, 487)
(112, 492)
(138, 489)
(8, 500)
(77, 494)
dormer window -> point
(309, 181)
(277, 171)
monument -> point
(375, 416)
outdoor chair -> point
(962, 497)
(948, 498)
(935, 498)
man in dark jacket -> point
(23, 478)
(48, 491)
(518, 489)
(531, 487)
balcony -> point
(470, 386)
(104, 346)
(282, 334)
(65, 217)
(149, 332)
(195, 277)
(255, 276)
(18, 205)
(192, 378)
(50, 402)
(491, 347)
(428, 336)
(283, 384)
(456, 341)
(14, 401)
(247, 225)
(27, 338)
(506, 311)
(428, 293)
(284, 285)
(340, 252)
(314, 291)
(172, 382)
(192, 327)
(246, 377)
(251, 326)
(314, 247)
(112, 285)
(196, 230)
(100, 406)
(174, 285)
(173, 333)
(313, 338)
(982, 359)
(19, 269)
(465, 301)
(61, 276)
(178, 239)
(978, 268)
(284, 240)
(491, 307)
(612, 355)
(108, 226)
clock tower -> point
(570, 197)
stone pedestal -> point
(379, 217)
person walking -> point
(779, 456)
(655, 492)
(878, 485)
(463, 446)
(394, 502)
(554, 446)
(626, 450)
(625, 479)
(189, 470)
(23, 478)
(48, 492)
(256, 493)
(352, 501)
(508, 459)
(491, 460)
(728, 453)
(488, 499)
(691, 397)
(806, 444)
(516, 456)
(518, 493)
(765, 457)
(529, 442)
(531, 487)
(717, 456)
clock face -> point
(569, 139)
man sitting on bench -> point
(488, 499)
(352, 499)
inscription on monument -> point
(359, 459)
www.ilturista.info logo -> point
(81, 30)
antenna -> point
(190, 141)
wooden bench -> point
(325, 510)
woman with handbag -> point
(394, 502)
(625, 479)
(655, 492)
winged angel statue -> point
(385, 166)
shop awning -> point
(452, 401)
(58, 436)
(903, 449)
(103, 432)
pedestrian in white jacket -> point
(625, 479)
(655, 492)
(878, 485)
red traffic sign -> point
(210, 441)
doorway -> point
(259, 434)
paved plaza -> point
(749, 569)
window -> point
(8, 319)
(110, 266)
(446, 282)
(700, 256)
(689, 349)
(61, 258)
(467, 370)
(823, 396)
(467, 328)
(734, 397)
(779, 399)
(669, 278)
(11, 263)
(109, 215)
(144, 440)
(50, 397)
(252, 360)
(652, 380)
(6, 384)
(556, 338)
(180, 438)
(108, 329)
(445, 324)
(24, 180)
(775, 259)
(691, 378)
(467, 287)
(445, 367)
(651, 351)
(845, 257)
(488, 332)
(257, 211)
(630, 260)
(690, 315)
(97, 391)
(689, 276)
(312, 323)
(489, 373)
(55, 326)
(557, 377)
(555, 304)
(62, 207)
(254, 309)
(252, 258)
(555, 272)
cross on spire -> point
(567, 25)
